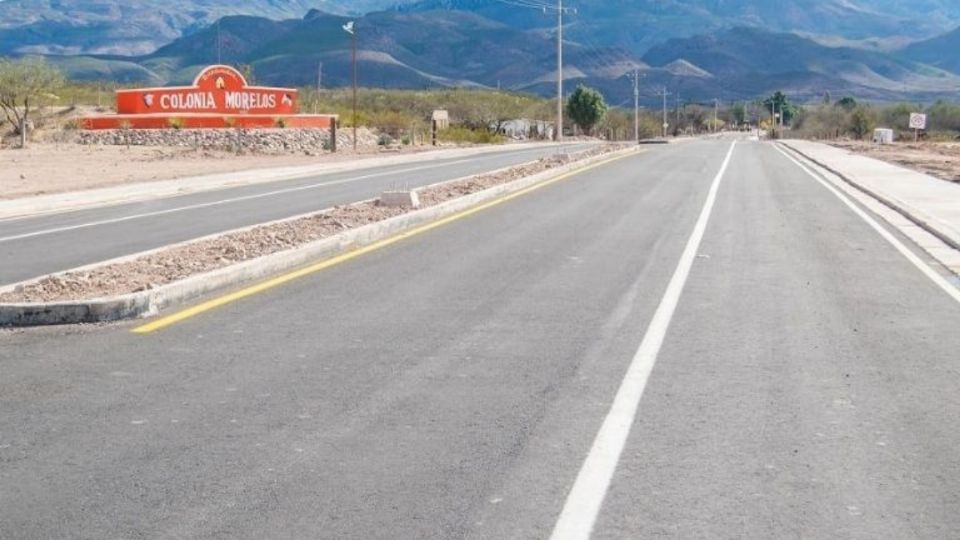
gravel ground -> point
(183, 261)
(941, 160)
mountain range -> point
(700, 49)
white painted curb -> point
(147, 303)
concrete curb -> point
(147, 303)
(98, 198)
(914, 215)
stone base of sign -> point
(206, 121)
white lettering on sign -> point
(198, 101)
(246, 101)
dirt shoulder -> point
(938, 159)
(47, 168)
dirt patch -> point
(177, 263)
(938, 159)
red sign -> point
(217, 89)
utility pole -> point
(351, 29)
(560, 11)
(773, 118)
(636, 105)
(677, 126)
(663, 93)
(559, 71)
(319, 77)
(716, 115)
(316, 103)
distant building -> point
(524, 128)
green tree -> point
(781, 104)
(587, 108)
(861, 123)
(23, 85)
(848, 104)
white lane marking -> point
(221, 202)
(585, 499)
(884, 233)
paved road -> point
(452, 385)
(42, 245)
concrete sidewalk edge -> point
(914, 215)
(147, 303)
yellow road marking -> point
(209, 305)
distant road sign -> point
(918, 121)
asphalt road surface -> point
(33, 247)
(800, 378)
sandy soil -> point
(45, 168)
(176, 263)
(938, 159)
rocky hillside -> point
(135, 27)
(749, 60)
(640, 24)
(942, 51)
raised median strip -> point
(142, 285)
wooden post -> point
(333, 135)
(433, 136)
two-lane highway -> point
(764, 365)
(32, 247)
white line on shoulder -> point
(904, 250)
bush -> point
(862, 123)
(462, 135)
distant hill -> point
(638, 25)
(140, 27)
(444, 48)
(942, 51)
(133, 27)
(750, 61)
(402, 50)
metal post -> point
(354, 34)
(636, 105)
(677, 127)
(559, 133)
(333, 135)
(773, 120)
(716, 114)
(664, 113)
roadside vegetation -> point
(25, 86)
